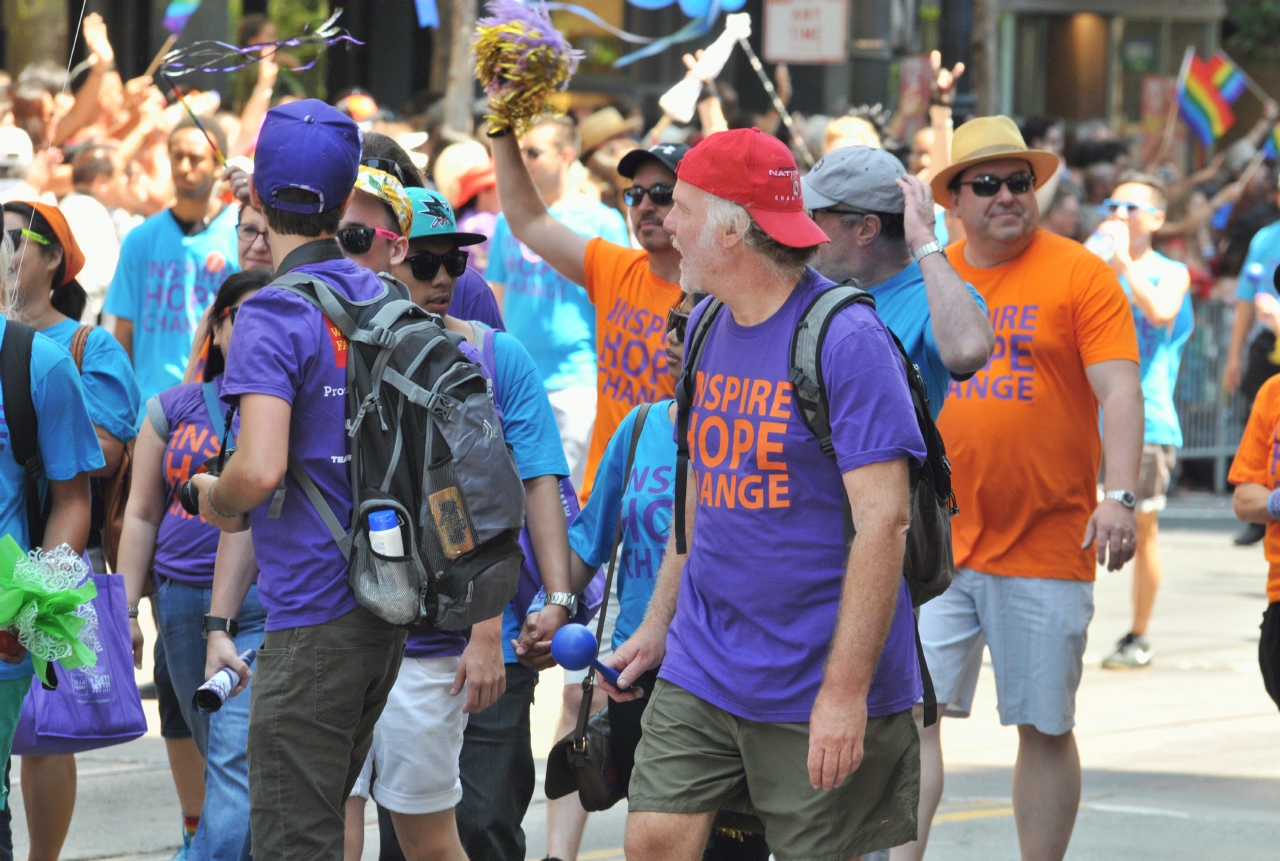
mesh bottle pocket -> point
(390, 587)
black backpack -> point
(928, 564)
(20, 415)
(426, 442)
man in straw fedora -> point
(1023, 439)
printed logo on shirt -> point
(177, 292)
(1009, 374)
(4, 430)
(188, 449)
(339, 342)
(646, 520)
(215, 261)
(737, 436)
(631, 360)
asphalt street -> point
(1179, 760)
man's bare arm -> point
(1117, 385)
(528, 217)
(1250, 503)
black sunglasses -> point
(989, 186)
(425, 265)
(679, 321)
(386, 165)
(230, 314)
(358, 240)
(660, 194)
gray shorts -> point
(1036, 629)
(1154, 477)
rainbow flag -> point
(1202, 105)
(1271, 147)
(1226, 76)
(178, 13)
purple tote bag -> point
(95, 706)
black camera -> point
(187, 493)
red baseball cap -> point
(757, 171)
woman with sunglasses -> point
(43, 292)
(183, 429)
(645, 501)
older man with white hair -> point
(788, 660)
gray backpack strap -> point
(806, 358)
(155, 414)
(340, 536)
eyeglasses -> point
(1125, 208)
(814, 213)
(425, 265)
(989, 186)
(249, 234)
(660, 194)
(358, 240)
(386, 165)
(15, 236)
(679, 321)
(230, 314)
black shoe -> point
(1251, 534)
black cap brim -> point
(668, 155)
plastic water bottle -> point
(211, 696)
(385, 538)
(1101, 244)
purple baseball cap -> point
(307, 145)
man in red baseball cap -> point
(774, 694)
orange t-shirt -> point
(1258, 462)
(1022, 433)
(631, 326)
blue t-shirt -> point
(548, 313)
(1258, 272)
(903, 306)
(163, 283)
(529, 426)
(1160, 352)
(473, 299)
(68, 445)
(110, 390)
(645, 504)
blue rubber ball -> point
(574, 647)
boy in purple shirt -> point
(788, 659)
(326, 664)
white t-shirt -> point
(94, 230)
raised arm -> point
(528, 217)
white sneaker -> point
(1132, 652)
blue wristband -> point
(1273, 504)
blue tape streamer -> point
(693, 30)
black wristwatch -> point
(217, 623)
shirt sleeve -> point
(122, 294)
(528, 422)
(873, 419)
(1253, 457)
(496, 271)
(1253, 274)
(275, 334)
(110, 389)
(1103, 319)
(591, 535)
(68, 442)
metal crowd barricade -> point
(1212, 422)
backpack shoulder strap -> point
(806, 357)
(159, 421)
(686, 388)
(78, 342)
(485, 337)
(20, 414)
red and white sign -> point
(806, 31)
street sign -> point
(806, 31)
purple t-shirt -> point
(283, 347)
(186, 545)
(473, 299)
(760, 591)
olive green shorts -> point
(696, 758)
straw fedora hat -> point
(987, 139)
(606, 124)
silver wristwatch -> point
(568, 600)
(934, 247)
(1124, 497)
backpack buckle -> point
(382, 337)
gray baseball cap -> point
(855, 176)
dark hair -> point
(67, 299)
(229, 294)
(251, 25)
(45, 74)
(1089, 153)
(287, 223)
(91, 163)
(1035, 128)
(213, 128)
(1152, 182)
(378, 145)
